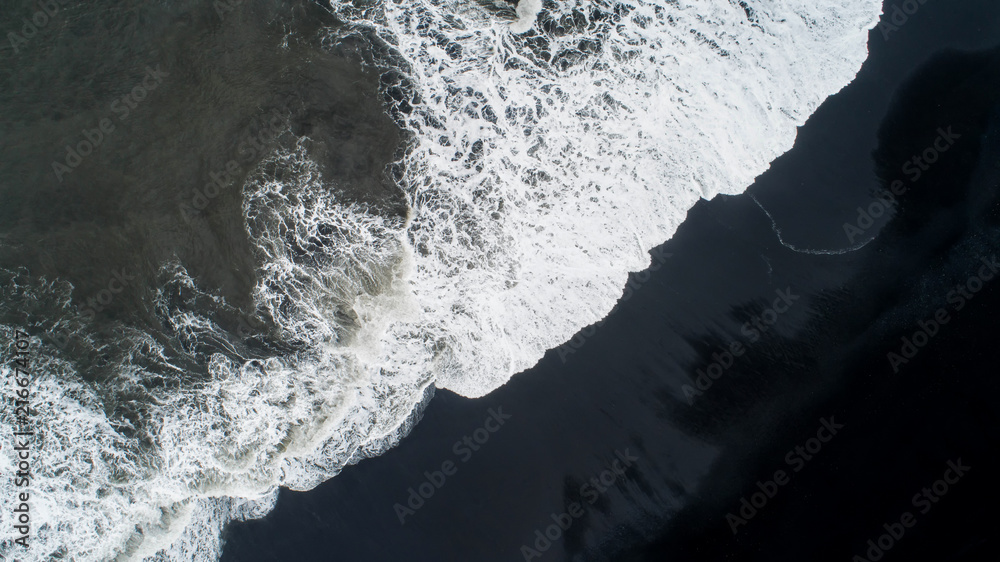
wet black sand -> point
(826, 357)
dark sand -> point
(826, 356)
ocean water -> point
(247, 240)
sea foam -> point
(548, 156)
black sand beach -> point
(813, 342)
(214, 213)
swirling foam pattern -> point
(553, 146)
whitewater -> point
(552, 146)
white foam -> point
(593, 161)
(527, 13)
(534, 186)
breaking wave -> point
(553, 145)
